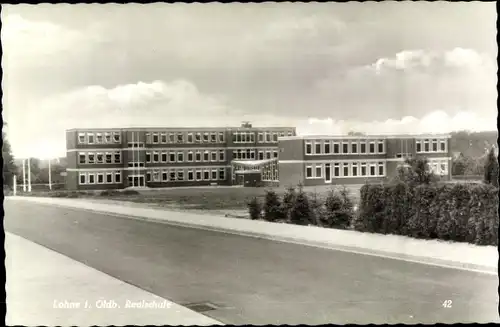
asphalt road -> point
(257, 281)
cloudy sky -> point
(326, 68)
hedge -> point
(455, 212)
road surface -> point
(256, 281)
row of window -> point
(251, 154)
(262, 137)
(344, 147)
(178, 156)
(345, 169)
(179, 175)
(114, 157)
(181, 137)
(431, 145)
(99, 138)
(100, 178)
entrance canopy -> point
(253, 164)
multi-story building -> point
(165, 157)
(323, 160)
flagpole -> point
(133, 159)
(50, 177)
(29, 175)
(14, 183)
(24, 175)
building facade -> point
(166, 157)
(323, 160)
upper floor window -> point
(308, 148)
(90, 137)
(82, 158)
(190, 138)
(372, 147)
(354, 147)
(275, 137)
(317, 147)
(336, 148)
(260, 137)
(171, 137)
(426, 146)
(221, 137)
(418, 146)
(380, 146)
(107, 137)
(345, 148)
(81, 138)
(268, 137)
(180, 137)
(117, 137)
(362, 147)
(327, 147)
(213, 137)
(290, 133)
(148, 138)
(163, 137)
(442, 145)
(98, 138)
(434, 145)
(156, 138)
(198, 137)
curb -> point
(358, 250)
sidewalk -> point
(434, 252)
(44, 287)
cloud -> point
(435, 122)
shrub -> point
(272, 206)
(372, 209)
(399, 208)
(109, 193)
(288, 202)
(301, 211)
(130, 192)
(317, 209)
(339, 210)
(491, 168)
(254, 209)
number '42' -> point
(447, 304)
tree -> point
(254, 209)
(272, 206)
(288, 202)
(301, 211)
(9, 167)
(416, 172)
(491, 168)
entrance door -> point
(328, 174)
(136, 181)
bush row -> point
(336, 210)
(456, 212)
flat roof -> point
(363, 137)
(115, 129)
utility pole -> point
(50, 177)
(29, 176)
(24, 175)
(14, 184)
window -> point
(252, 154)
(171, 138)
(309, 172)
(317, 147)
(362, 147)
(82, 158)
(91, 158)
(81, 138)
(198, 156)
(426, 145)
(419, 146)
(100, 158)
(381, 169)
(198, 175)
(91, 179)
(354, 169)
(336, 148)
(275, 137)
(171, 157)
(327, 148)
(275, 154)
(252, 137)
(222, 174)
(198, 137)
(148, 176)
(180, 137)
(268, 154)
(118, 177)
(214, 174)
(442, 145)
(363, 169)
(205, 137)
(206, 175)
(268, 137)
(308, 148)
(261, 155)
(213, 137)
(319, 170)
(282, 134)
(236, 137)
(148, 138)
(206, 156)
(82, 178)
(180, 156)
(345, 147)
(148, 156)
(156, 156)
(107, 137)
(221, 155)
(213, 155)
(164, 176)
(444, 167)
(380, 146)
(346, 169)
(221, 137)
(156, 138)
(260, 137)
(190, 175)
(372, 147)
(190, 156)
(434, 145)
(164, 156)
(336, 169)
(372, 170)
(109, 158)
(190, 138)
(156, 176)
(116, 137)
(109, 178)
(354, 148)
(98, 138)
(290, 133)
(172, 176)
(90, 137)
(100, 178)
(118, 157)
(163, 137)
